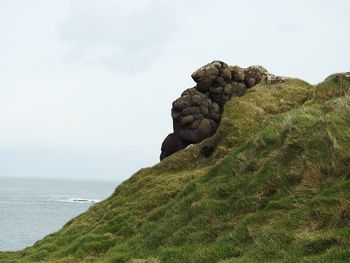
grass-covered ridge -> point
(276, 189)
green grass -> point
(276, 189)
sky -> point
(86, 86)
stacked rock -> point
(197, 113)
(219, 81)
(195, 117)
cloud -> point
(28, 33)
(116, 35)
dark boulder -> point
(171, 144)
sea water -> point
(31, 208)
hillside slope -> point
(275, 189)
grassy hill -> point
(276, 189)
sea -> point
(31, 208)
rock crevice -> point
(197, 113)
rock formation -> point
(197, 113)
(344, 75)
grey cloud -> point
(288, 29)
(126, 37)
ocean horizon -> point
(31, 208)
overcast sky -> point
(86, 86)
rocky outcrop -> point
(344, 75)
(197, 113)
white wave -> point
(76, 200)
